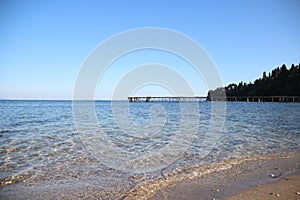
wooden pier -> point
(167, 99)
(227, 98)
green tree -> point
(264, 76)
(281, 81)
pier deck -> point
(167, 99)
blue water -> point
(39, 140)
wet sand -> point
(268, 179)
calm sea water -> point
(39, 141)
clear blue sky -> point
(43, 43)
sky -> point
(43, 44)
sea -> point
(117, 146)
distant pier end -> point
(295, 99)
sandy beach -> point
(268, 179)
(286, 188)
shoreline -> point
(238, 180)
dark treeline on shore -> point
(280, 82)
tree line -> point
(280, 82)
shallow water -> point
(39, 140)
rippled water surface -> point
(39, 141)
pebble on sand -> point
(275, 176)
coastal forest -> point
(280, 82)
